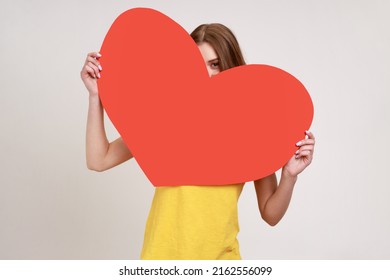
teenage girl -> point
(194, 222)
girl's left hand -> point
(302, 157)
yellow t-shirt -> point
(193, 222)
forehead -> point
(207, 51)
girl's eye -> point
(215, 65)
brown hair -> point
(223, 41)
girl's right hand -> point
(91, 72)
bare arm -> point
(273, 200)
(100, 154)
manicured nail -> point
(98, 54)
(100, 68)
(98, 75)
(297, 152)
(299, 143)
(307, 131)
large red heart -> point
(185, 128)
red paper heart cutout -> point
(185, 128)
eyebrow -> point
(214, 59)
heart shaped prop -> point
(185, 128)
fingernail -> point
(100, 68)
(98, 75)
(98, 54)
(299, 143)
(307, 131)
(297, 152)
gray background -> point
(53, 207)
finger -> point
(95, 62)
(95, 55)
(305, 142)
(95, 69)
(303, 154)
(308, 149)
(90, 71)
(310, 134)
